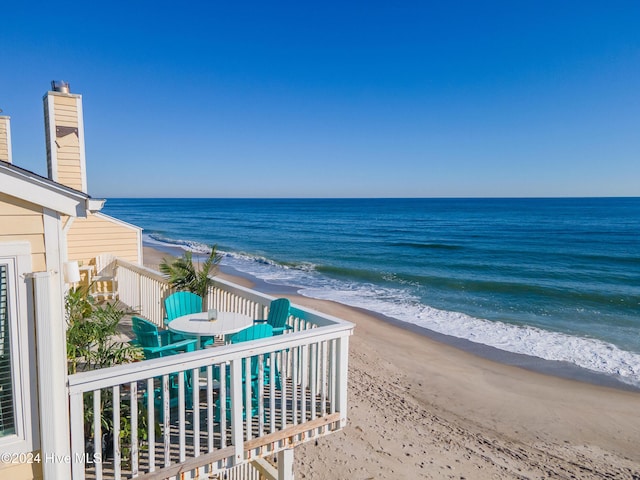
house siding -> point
(5, 141)
(69, 171)
(22, 471)
(67, 165)
(98, 234)
(22, 221)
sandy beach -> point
(422, 409)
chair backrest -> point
(182, 303)
(278, 312)
(105, 264)
(254, 332)
(146, 332)
(261, 330)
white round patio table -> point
(199, 325)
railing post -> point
(55, 436)
(285, 464)
(237, 406)
(76, 406)
(342, 357)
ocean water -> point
(557, 279)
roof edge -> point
(31, 187)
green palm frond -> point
(182, 274)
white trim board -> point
(34, 189)
(18, 256)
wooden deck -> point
(183, 429)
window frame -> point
(17, 255)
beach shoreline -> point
(536, 364)
(420, 408)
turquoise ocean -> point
(554, 279)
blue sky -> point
(335, 99)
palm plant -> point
(92, 344)
(91, 331)
(183, 274)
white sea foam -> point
(588, 353)
(186, 245)
(258, 266)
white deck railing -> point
(178, 402)
(144, 290)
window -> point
(18, 407)
(7, 409)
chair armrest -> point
(262, 320)
(188, 344)
(103, 278)
(174, 337)
(168, 337)
(279, 330)
(184, 345)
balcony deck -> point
(183, 432)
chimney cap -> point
(60, 86)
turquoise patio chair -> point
(181, 303)
(184, 303)
(157, 343)
(254, 332)
(278, 316)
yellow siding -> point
(21, 471)
(68, 165)
(70, 179)
(22, 221)
(4, 141)
(64, 100)
(13, 206)
(24, 225)
(91, 236)
(66, 111)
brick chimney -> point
(64, 131)
(5, 138)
